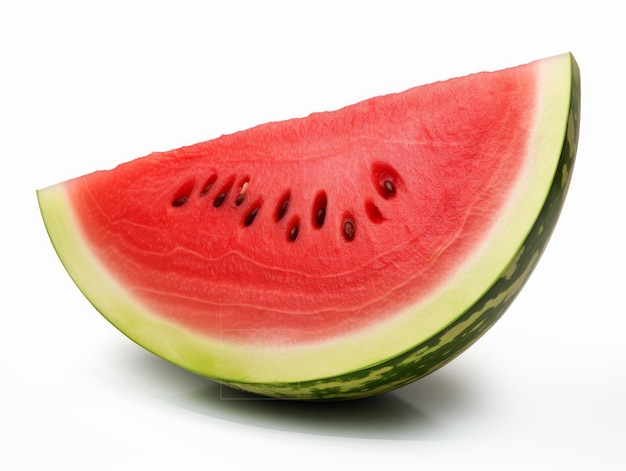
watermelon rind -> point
(397, 352)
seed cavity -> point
(349, 229)
(373, 213)
(221, 197)
(183, 194)
(386, 180)
(208, 185)
(319, 209)
(283, 205)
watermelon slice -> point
(339, 255)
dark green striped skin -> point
(467, 328)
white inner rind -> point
(260, 364)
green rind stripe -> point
(430, 355)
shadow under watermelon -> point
(419, 411)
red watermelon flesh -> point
(202, 266)
(306, 231)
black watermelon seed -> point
(386, 179)
(320, 216)
(240, 199)
(319, 209)
(180, 201)
(349, 229)
(293, 233)
(250, 217)
(219, 199)
(390, 189)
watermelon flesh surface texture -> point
(335, 256)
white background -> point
(87, 85)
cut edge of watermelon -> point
(265, 364)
